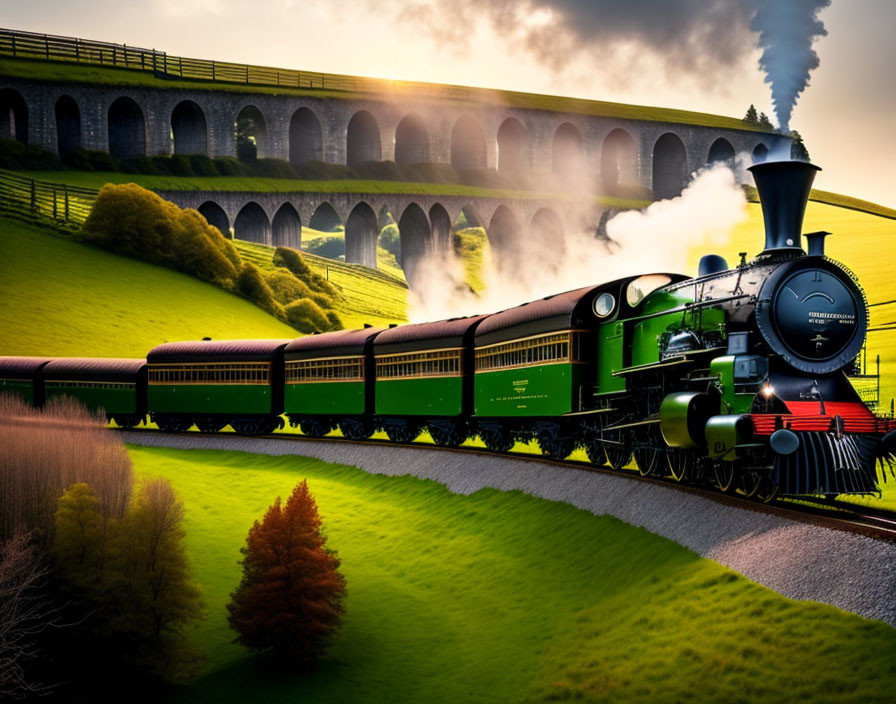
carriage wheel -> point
(403, 432)
(356, 429)
(208, 424)
(314, 427)
(554, 447)
(173, 424)
(447, 434)
(496, 440)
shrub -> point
(429, 173)
(306, 316)
(322, 171)
(293, 260)
(78, 159)
(134, 221)
(180, 165)
(328, 247)
(228, 166)
(286, 286)
(390, 240)
(294, 617)
(253, 286)
(203, 166)
(12, 153)
(273, 168)
(52, 450)
(380, 171)
(334, 320)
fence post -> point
(46, 48)
(13, 44)
(65, 192)
(78, 50)
(33, 197)
(213, 71)
(54, 204)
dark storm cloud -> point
(689, 35)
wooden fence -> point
(28, 198)
(48, 47)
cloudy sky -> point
(692, 54)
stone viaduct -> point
(608, 152)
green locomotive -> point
(736, 377)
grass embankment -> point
(69, 299)
(504, 597)
(383, 89)
(97, 179)
(370, 296)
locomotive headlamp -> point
(768, 390)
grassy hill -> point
(68, 299)
(503, 597)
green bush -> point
(16, 155)
(101, 161)
(329, 247)
(286, 287)
(180, 165)
(293, 260)
(228, 166)
(429, 173)
(253, 286)
(79, 159)
(390, 240)
(134, 221)
(334, 320)
(380, 171)
(273, 168)
(12, 153)
(306, 316)
(322, 171)
(203, 166)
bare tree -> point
(25, 612)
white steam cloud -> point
(787, 30)
(656, 239)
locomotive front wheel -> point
(766, 491)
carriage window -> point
(643, 286)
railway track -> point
(872, 522)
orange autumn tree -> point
(290, 597)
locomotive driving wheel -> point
(682, 464)
(617, 446)
(724, 473)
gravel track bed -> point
(801, 561)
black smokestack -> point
(783, 192)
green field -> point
(503, 597)
(68, 299)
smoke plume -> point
(787, 30)
(656, 239)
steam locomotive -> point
(735, 377)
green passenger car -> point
(538, 359)
(326, 382)
(213, 383)
(20, 378)
(115, 387)
(425, 370)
